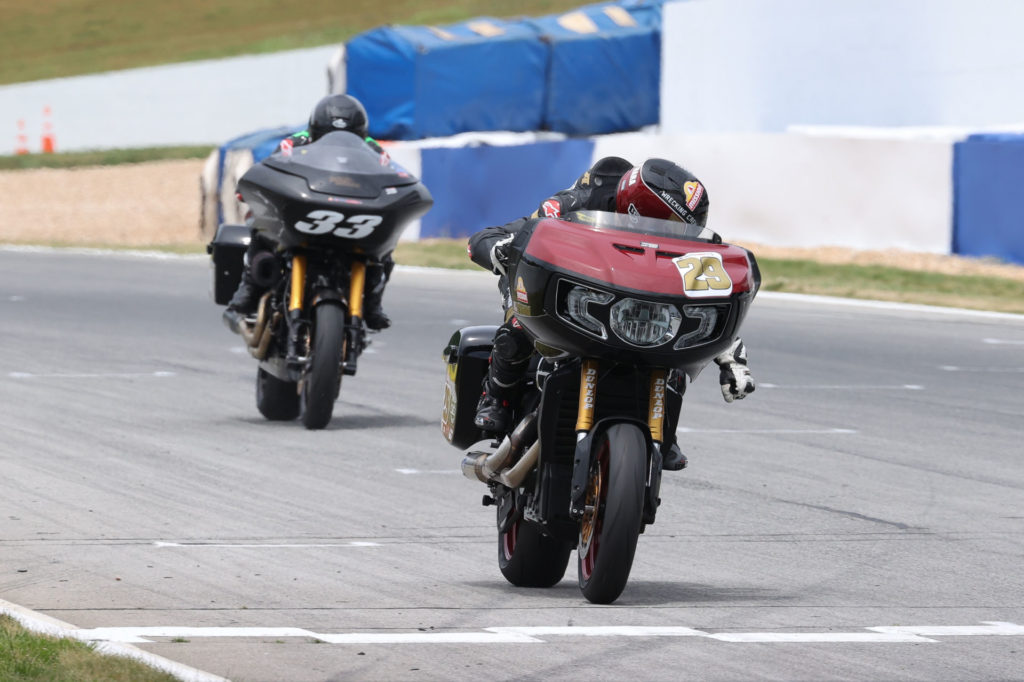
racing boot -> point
(377, 277)
(373, 313)
(242, 304)
(494, 411)
(672, 458)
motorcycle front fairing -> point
(583, 282)
(335, 193)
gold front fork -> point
(357, 280)
(656, 406)
(295, 302)
(588, 396)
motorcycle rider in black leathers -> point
(332, 113)
(655, 189)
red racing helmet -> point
(661, 189)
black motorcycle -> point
(617, 306)
(331, 207)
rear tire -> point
(322, 382)
(275, 399)
(528, 558)
(608, 534)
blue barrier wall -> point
(476, 187)
(418, 81)
(988, 197)
(605, 68)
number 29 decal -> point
(703, 275)
(331, 222)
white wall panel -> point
(801, 190)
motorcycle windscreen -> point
(342, 164)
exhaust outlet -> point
(488, 467)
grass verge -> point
(29, 657)
(58, 38)
(102, 157)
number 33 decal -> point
(324, 222)
(703, 275)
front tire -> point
(611, 525)
(528, 558)
(275, 399)
(322, 382)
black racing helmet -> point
(338, 112)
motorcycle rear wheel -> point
(275, 399)
(322, 382)
(611, 525)
(528, 558)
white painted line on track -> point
(846, 387)
(43, 624)
(1000, 342)
(990, 628)
(286, 545)
(89, 375)
(885, 305)
(816, 637)
(414, 472)
(542, 634)
(994, 370)
(603, 631)
(686, 429)
(430, 638)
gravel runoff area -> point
(157, 203)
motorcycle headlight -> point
(576, 307)
(707, 320)
(644, 323)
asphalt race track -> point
(861, 516)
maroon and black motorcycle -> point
(615, 305)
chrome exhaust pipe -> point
(486, 467)
(255, 335)
(260, 352)
(514, 477)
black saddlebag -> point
(466, 355)
(227, 251)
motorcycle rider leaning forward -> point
(332, 113)
(665, 191)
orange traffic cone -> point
(49, 142)
(21, 141)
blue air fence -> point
(988, 203)
(476, 187)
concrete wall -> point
(800, 190)
(194, 103)
(764, 65)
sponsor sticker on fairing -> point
(704, 275)
(521, 295)
(693, 191)
(286, 146)
(552, 208)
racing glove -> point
(501, 254)
(734, 375)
